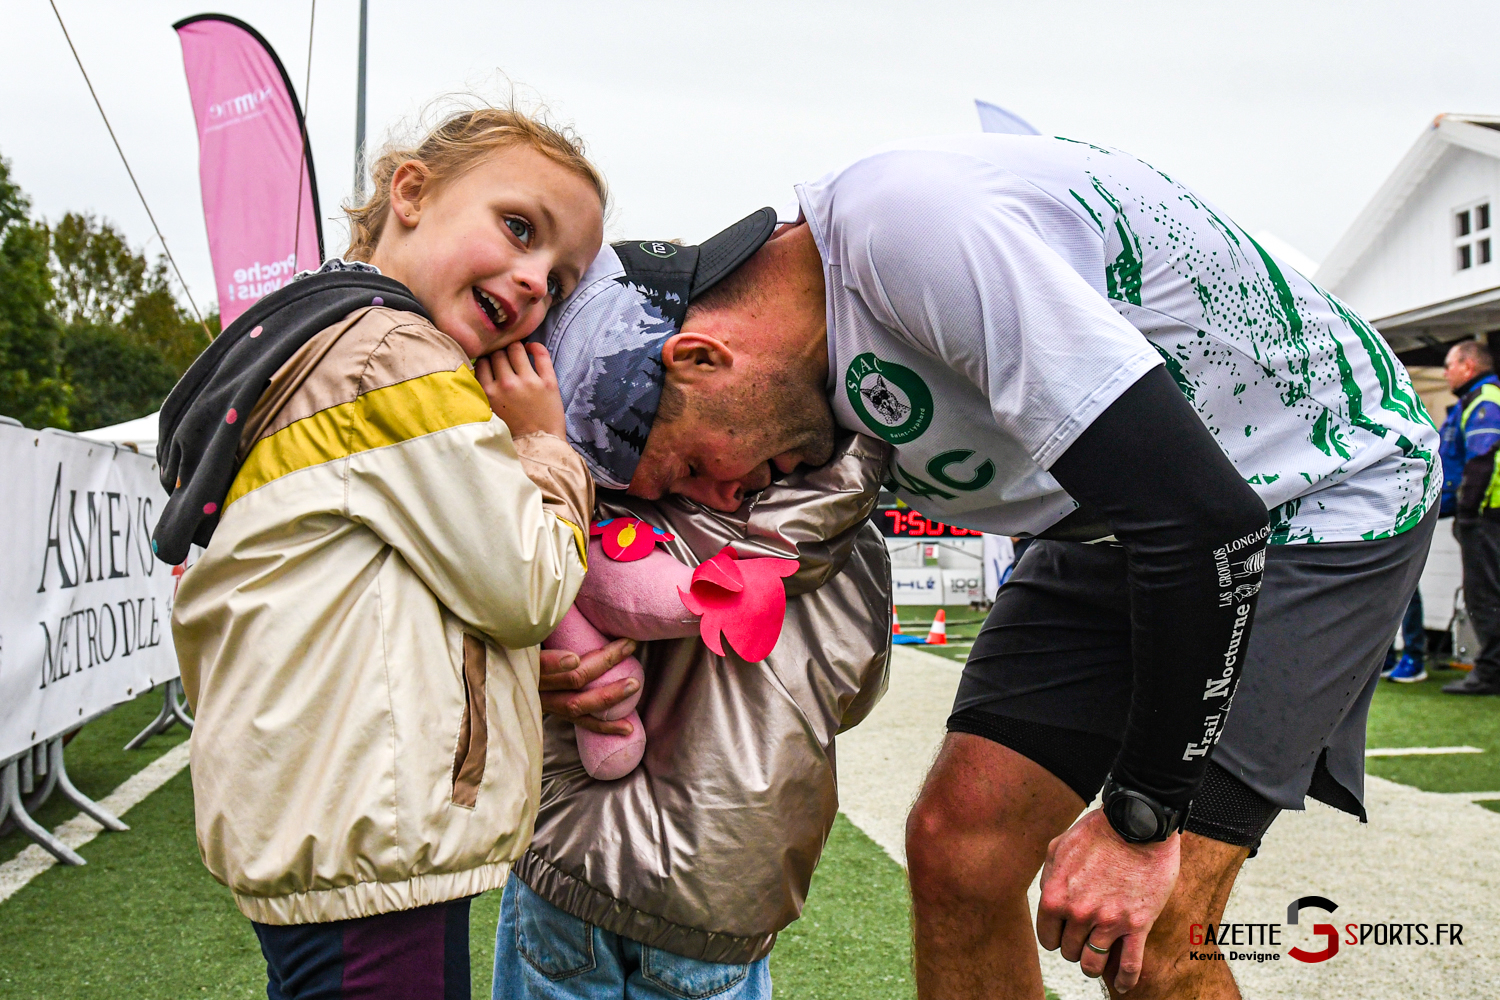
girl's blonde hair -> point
(456, 144)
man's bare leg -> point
(974, 841)
(1209, 868)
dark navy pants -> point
(420, 954)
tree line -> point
(90, 332)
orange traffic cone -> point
(895, 621)
(938, 634)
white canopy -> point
(140, 432)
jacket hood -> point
(203, 418)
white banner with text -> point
(85, 607)
(936, 586)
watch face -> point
(1134, 818)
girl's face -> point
(489, 251)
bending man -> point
(1059, 340)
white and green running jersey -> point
(990, 295)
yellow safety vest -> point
(1488, 393)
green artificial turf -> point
(484, 917)
(1420, 715)
(854, 938)
(1402, 715)
(141, 919)
(144, 918)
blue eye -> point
(522, 230)
(554, 287)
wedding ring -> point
(1091, 946)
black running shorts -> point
(1050, 675)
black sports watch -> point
(1137, 817)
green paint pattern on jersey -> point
(1329, 439)
(1292, 334)
(1123, 275)
(1283, 531)
(1088, 208)
(1178, 373)
(1290, 316)
(1394, 398)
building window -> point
(1471, 236)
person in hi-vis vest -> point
(1471, 492)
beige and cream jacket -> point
(359, 640)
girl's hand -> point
(522, 390)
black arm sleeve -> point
(1194, 536)
(1475, 483)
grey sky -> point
(1287, 115)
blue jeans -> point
(542, 953)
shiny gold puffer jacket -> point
(706, 850)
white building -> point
(1422, 263)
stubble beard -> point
(800, 417)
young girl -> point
(359, 641)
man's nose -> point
(724, 496)
(758, 478)
(787, 462)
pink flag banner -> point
(260, 197)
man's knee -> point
(944, 840)
(982, 823)
(952, 856)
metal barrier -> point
(173, 711)
(30, 778)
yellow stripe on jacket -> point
(375, 419)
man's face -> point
(717, 453)
(1458, 370)
(749, 378)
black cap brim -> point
(720, 254)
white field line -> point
(1419, 751)
(21, 869)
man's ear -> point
(690, 357)
(407, 186)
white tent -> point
(140, 432)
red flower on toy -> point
(742, 600)
(626, 539)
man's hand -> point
(564, 674)
(522, 389)
(1097, 888)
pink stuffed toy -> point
(637, 591)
